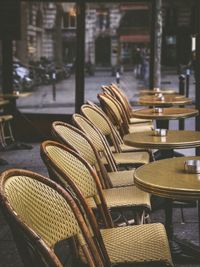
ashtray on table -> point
(192, 166)
(159, 132)
(160, 97)
(158, 110)
(156, 89)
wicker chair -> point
(51, 214)
(78, 140)
(103, 123)
(126, 160)
(121, 97)
(69, 168)
(41, 214)
(115, 112)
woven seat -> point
(127, 159)
(77, 140)
(122, 178)
(71, 169)
(5, 129)
(140, 128)
(42, 213)
(140, 243)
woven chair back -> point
(97, 139)
(78, 141)
(122, 99)
(74, 138)
(113, 110)
(44, 212)
(76, 174)
(103, 123)
(96, 118)
(115, 87)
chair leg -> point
(10, 132)
(7, 132)
(2, 135)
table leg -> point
(162, 124)
(181, 249)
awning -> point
(138, 38)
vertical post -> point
(197, 73)
(7, 73)
(156, 44)
(181, 92)
(187, 84)
(152, 47)
(53, 79)
(80, 55)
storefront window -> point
(43, 60)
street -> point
(41, 100)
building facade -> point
(114, 31)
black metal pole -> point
(152, 45)
(197, 73)
(7, 73)
(187, 82)
(80, 56)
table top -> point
(167, 178)
(15, 95)
(164, 91)
(173, 140)
(152, 100)
(167, 113)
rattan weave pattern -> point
(140, 127)
(137, 244)
(136, 157)
(113, 107)
(42, 208)
(97, 119)
(122, 178)
(91, 133)
(79, 142)
(126, 196)
(74, 169)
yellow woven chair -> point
(115, 112)
(41, 214)
(69, 168)
(78, 141)
(114, 159)
(103, 123)
(116, 132)
(121, 97)
(45, 214)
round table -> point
(162, 118)
(167, 178)
(153, 92)
(166, 144)
(169, 100)
(172, 113)
(173, 140)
